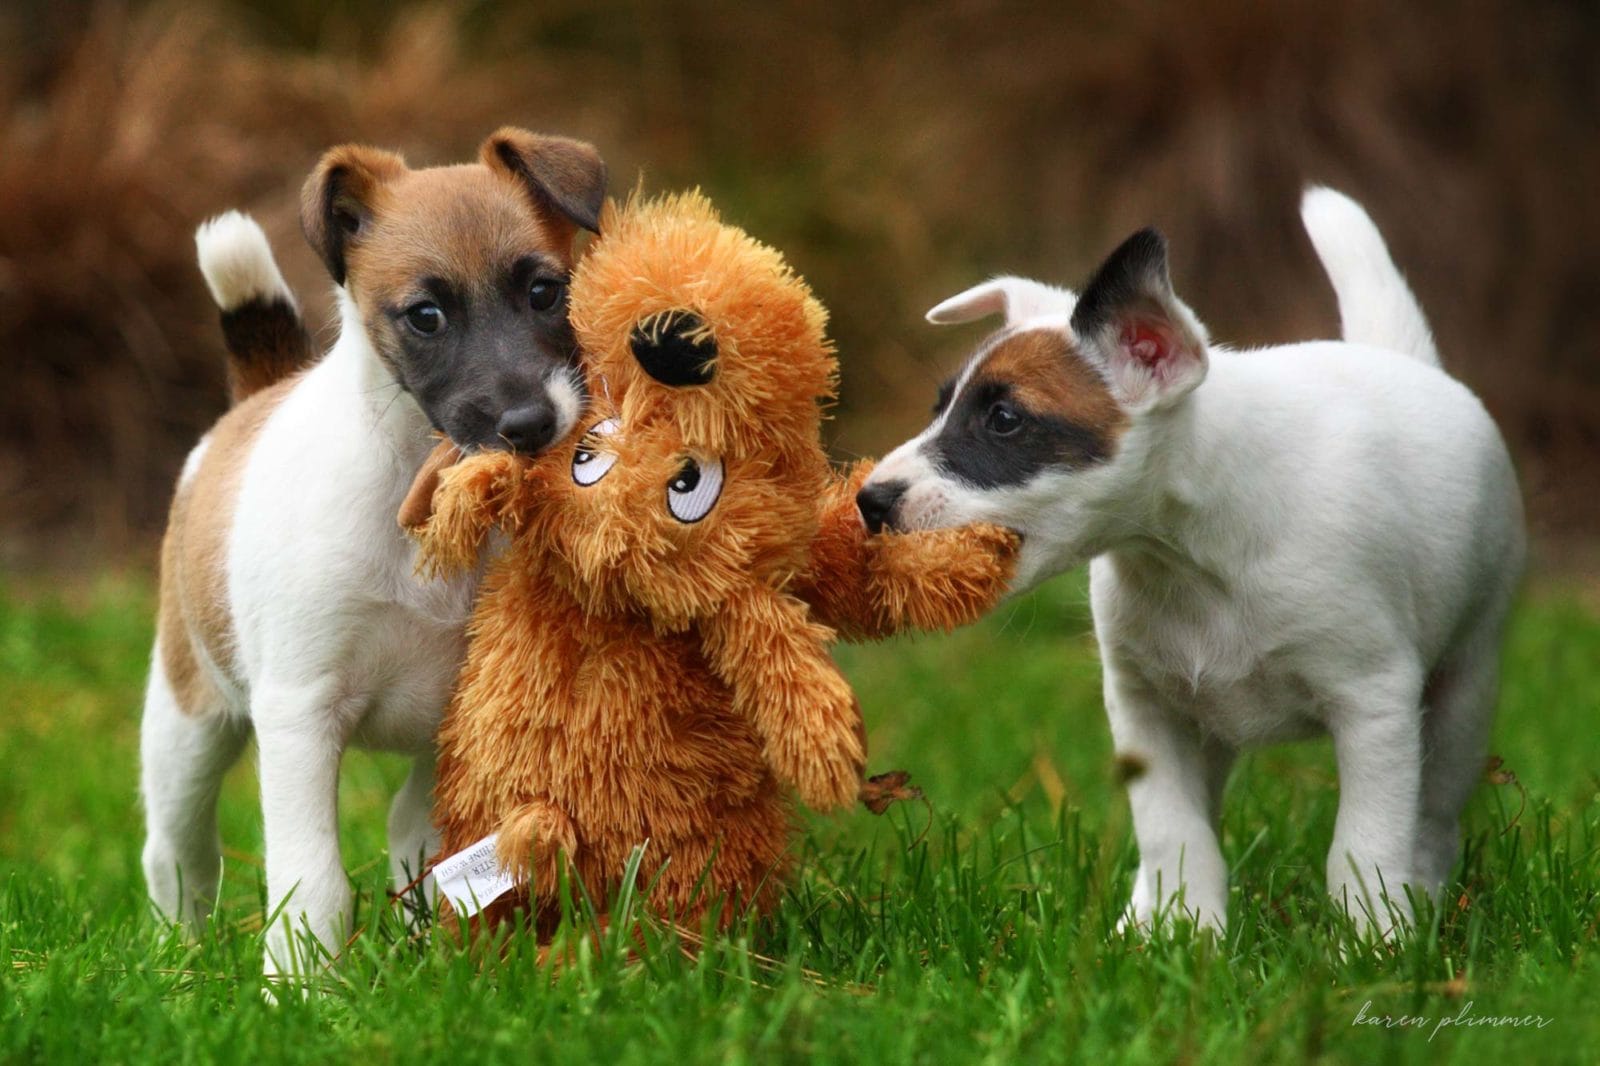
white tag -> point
(473, 879)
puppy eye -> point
(694, 491)
(425, 318)
(545, 294)
(589, 464)
(1003, 419)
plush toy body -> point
(649, 654)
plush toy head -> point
(700, 466)
(699, 325)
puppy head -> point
(459, 276)
(1052, 425)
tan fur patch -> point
(1049, 376)
(194, 614)
(454, 222)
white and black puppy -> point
(1320, 538)
(289, 602)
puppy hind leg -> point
(1377, 744)
(1456, 723)
(183, 755)
(413, 840)
(1219, 759)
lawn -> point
(977, 931)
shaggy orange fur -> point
(640, 670)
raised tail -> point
(1376, 306)
(267, 339)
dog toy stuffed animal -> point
(648, 660)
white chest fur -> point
(1203, 653)
(322, 582)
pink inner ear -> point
(1146, 344)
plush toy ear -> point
(1128, 320)
(675, 347)
(565, 178)
(1016, 298)
(335, 203)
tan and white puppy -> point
(1321, 538)
(289, 602)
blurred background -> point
(896, 152)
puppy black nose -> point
(876, 503)
(528, 429)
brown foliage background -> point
(896, 152)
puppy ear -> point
(1016, 298)
(336, 201)
(566, 178)
(1128, 320)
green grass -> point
(988, 939)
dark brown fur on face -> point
(1033, 401)
(1049, 376)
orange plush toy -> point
(649, 654)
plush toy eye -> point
(1003, 419)
(694, 491)
(425, 318)
(589, 464)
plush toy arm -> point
(871, 587)
(468, 499)
(764, 645)
(417, 507)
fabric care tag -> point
(473, 879)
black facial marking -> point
(946, 390)
(1136, 271)
(483, 380)
(972, 449)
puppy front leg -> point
(1174, 786)
(300, 748)
(1378, 745)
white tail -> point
(237, 262)
(1376, 306)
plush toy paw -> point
(942, 578)
(471, 497)
(533, 839)
(824, 754)
(417, 507)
